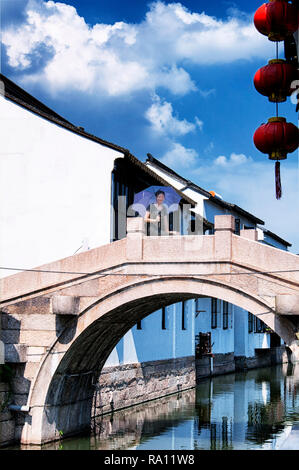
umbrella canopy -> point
(148, 196)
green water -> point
(242, 411)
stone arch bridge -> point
(62, 320)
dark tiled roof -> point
(214, 199)
(276, 237)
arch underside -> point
(62, 393)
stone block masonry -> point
(7, 421)
(262, 358)
(130, 384)
(216, 365)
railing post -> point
(224, 226)
(250, 234)
(135, 233)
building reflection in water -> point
(247, 410)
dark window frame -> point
(251, 322)
(237, 226)
(225, 314)
(184, 316)
(259, 326)
(139, 325)
(214, 313)
(163, 323)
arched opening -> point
(61, 396)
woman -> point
(156, 216)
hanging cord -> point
(276, 59)
(278, 189)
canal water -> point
(253, 410)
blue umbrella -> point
(148, 196)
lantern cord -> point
(277, 180)
(276, 59)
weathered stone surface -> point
(39, 305)
(10, 336)
(31, 369)
(10, 321)
(287, 304)
(65, 305)
(131, 384)
(15, 353)
(2, 352)
(36, 337)
(7, 425)
(38, 322)
(224, 222)
(262, 358)
(7, 432)
(249, 234)
(21, 385)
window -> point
(184, 316)
(164, 318)
(139, 325)
(225, 315)
(259, 326)
(250, 322)
(215, 308)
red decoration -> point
(277, 138)
(276, 19)
(275, 79)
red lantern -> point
(276, 19)
(275, 79)
(277, 138)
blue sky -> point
(171, 78)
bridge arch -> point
(61, 395)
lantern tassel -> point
(277, 180)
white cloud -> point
(162, 120)
(179, 156)
(120, 58)
(251, 185)
(233, 160)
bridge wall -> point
(130, 384)
(7, 420)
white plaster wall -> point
(167, 177)
(55, 190)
